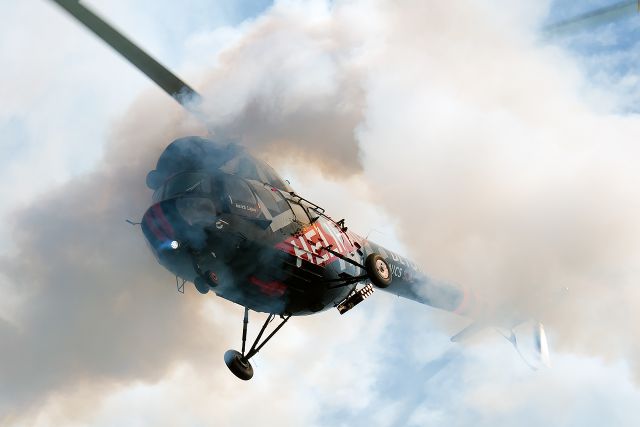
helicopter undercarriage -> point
(238, 361)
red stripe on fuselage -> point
(164, 223)
(273, 288)
(150, 221)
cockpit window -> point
(299, 211)
(270, 176)
(241, 199)
(246, 166)
(188, 182)
(157, 195)
(247, 169)
(196, 153)
(271, 198)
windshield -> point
(201, 154)
(229, 192)
(184, 183)
(270, 198)
(247, 166)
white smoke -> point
(479, 145)
(479, 140)
(504, 177)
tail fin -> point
(540, 344)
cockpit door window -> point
(271, 198)
(300, 213)
(240, 199)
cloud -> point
(292, 84)
(95, 308)
(98, 318)
(504, 178)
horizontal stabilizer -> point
(469, 331)
(538, 354)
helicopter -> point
(224, 220)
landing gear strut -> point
(238, 362)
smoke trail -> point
(292, 87)
(505, 180)
(95, 305)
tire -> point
(201, 285)
(378, 270)
(238, 365)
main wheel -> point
(201, 285)
(238, 364)
(378, 270)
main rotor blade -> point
(169, 82)
(595, 18)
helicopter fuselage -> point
(263, 247)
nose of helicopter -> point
(175, 223)
(158, 227)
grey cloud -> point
(95, 307)
(512, 186)
(290, 88)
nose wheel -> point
(201, 285)
(238, 362)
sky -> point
(457, 133)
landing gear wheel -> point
(201, 285)
(378, 270)
(238, 364)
